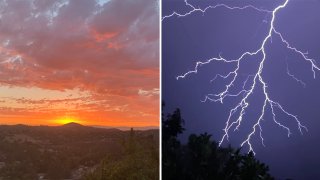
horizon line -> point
(95, 126)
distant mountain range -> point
(73, 124)
(124, 128)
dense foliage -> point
(202, 159)
(138, 161)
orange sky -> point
(95, 62)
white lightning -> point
(294, 77)
(254, 80)
(194, 9)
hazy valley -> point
(73, 151)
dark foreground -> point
(74, 151)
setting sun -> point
(58, 67)
(66, 120)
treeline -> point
(139, 160)
(202, 159)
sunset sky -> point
(95, 62)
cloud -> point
(108, 48)
(149, 93)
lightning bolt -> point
(252, 80)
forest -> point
(74, 151)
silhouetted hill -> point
(72, 124)
(60, 152)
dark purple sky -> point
(199, 36)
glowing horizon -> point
(73, 59)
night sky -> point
(201, 36)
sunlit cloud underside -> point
(95, 62)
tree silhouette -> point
(202, 159)
(171, 148)
(173, 125)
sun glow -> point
(66, 120)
